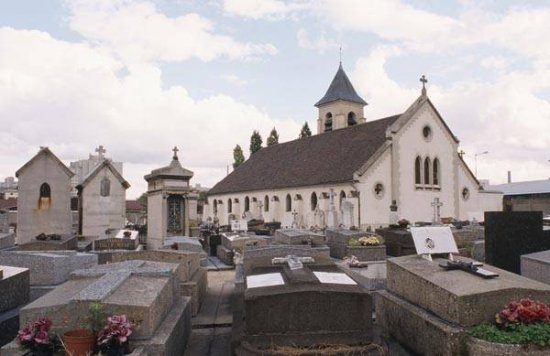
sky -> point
(140, 77)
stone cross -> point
(436, 205)
(294, 219)
(331, 196)
(100, 151)
(175, 150)
(260, 206)
(423, 80)
(111, 276)
(294, 262)
(461, 153)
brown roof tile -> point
(321, 159)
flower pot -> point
(478, 347)
(79, 342)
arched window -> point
(229, 206)
(328, 122)
(427, 170)
(45, 191)
(352, 119)
(288, 203)
(246, 204)
(436, 172)
(45, 196)
(266, 203)
(105, 187)
(313, 201)
(417, 168)
(342, 198)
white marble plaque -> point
(133, 234)
(334, 278)
(265, 280)
(433, 239)
(239, 225)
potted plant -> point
(83, 341)
(36, 338)
(113, 338)
(521, 328)
(367, 248)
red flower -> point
(24, 334)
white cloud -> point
(234, 79)
(505, 117)
(495, 62)
(138, 33)
(67, 96)
(263, 9)
(321, 44)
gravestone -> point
(147, 292)
(338, 240)
(193, 279)
(67, 242)
(115, 243)
(536, 266)
(232, 242)
(47, 268)
(348, 214)
(315, 304)
(184, 243)
(299, 237)
(508, 235)
(4, 224)
(7, 240)
(14, 292)
(428, 309)
(332, 216)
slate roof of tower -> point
(327, 158)
(340, 89)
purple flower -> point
(25, 334)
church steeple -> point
(341, 106)
(340, 89)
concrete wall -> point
(101, 213)
(31, 220)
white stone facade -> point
(44, 197)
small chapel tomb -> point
(285, 305)
(147, 292)
(428, 308)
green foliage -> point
(238, 156)
(273, 138)
(255, 142)
(354, 242)
(143, 200)
(537, 334)
(96, 317)
(305, 132)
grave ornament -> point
(430, 240)
(470, 267)
(294, 262)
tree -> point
(305, 132)
(273, 138)
(238, 156)
(255, 142)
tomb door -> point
(176, 210)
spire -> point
(340, 89)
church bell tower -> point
(341, 106)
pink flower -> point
(24, 334)
(41, 337)
(42, 324)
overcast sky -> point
(140, 77)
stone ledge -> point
(423, 332)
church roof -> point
(45, 151)
(108, 165)
(173, 171)
(332, 157)
(340, 89)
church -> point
(356, 172)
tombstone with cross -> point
(260, 205)
(331, 216)
(436, 204)
(294, 219)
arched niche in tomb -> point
(105, 187)
(45, 197)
